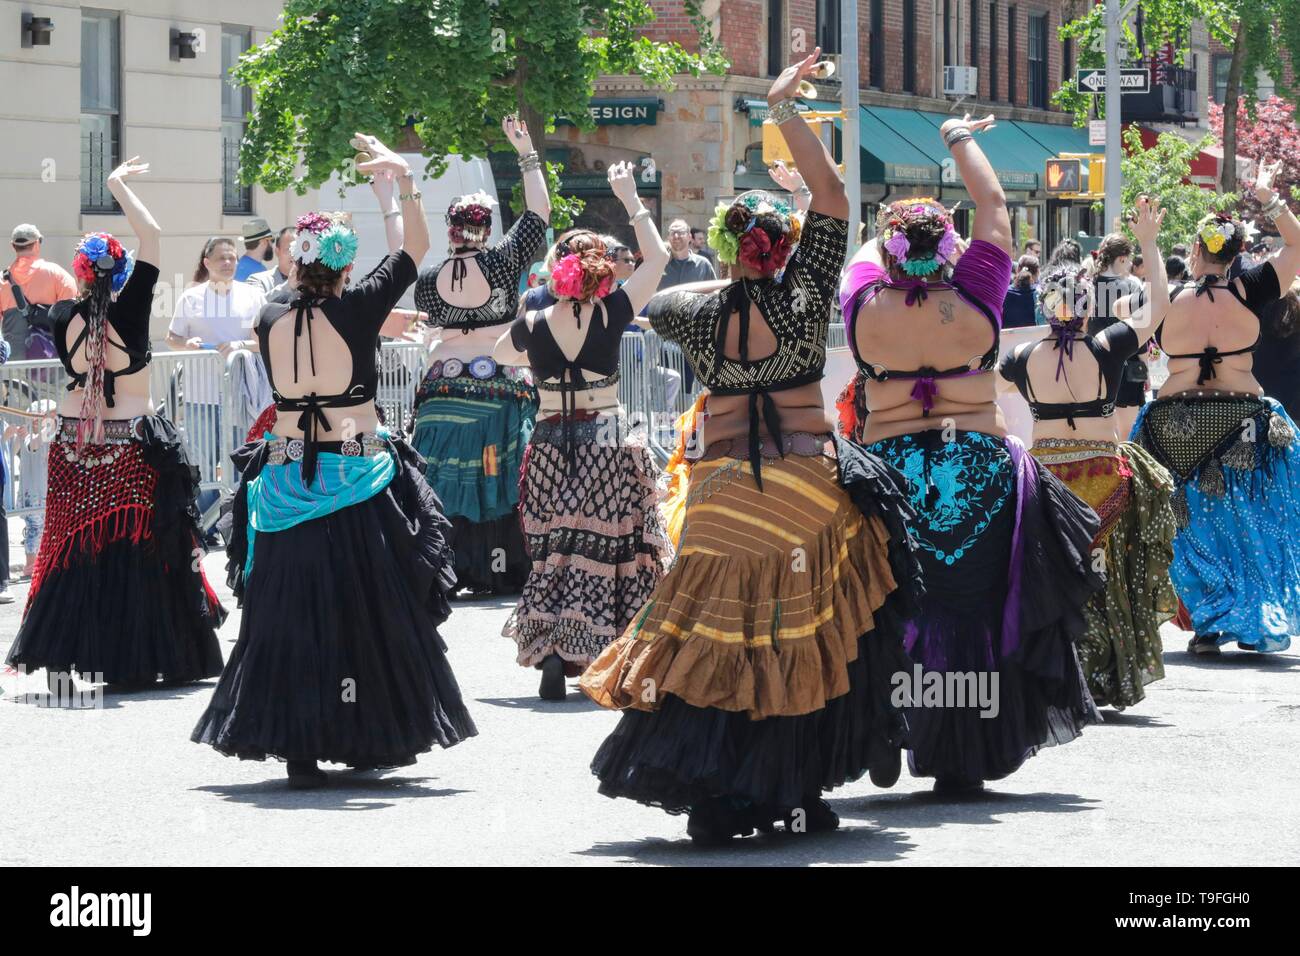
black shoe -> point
(305, 775)
(714, 824)
(818, 817)
(552, 686)
(1204, 644)
(957, 786)
(886, 765)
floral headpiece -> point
(567, 279)
(733, 236)
(1066, 291)
(326, 239)
(1214, 233)
(470, 217)
(893, 234)
(98, 254)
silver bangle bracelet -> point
(955, 136)
(530, 161)
(783, 110)
(640, 214)
(1276, 208)
(391, 213)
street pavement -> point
(1204, 772)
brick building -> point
(702, 140)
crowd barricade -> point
(205, 395)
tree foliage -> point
(1269, 135)
(1162, 171)
(452, 68)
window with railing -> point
(101, 101)
(877, 51)
(1038, 61)
(236, 101)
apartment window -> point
(236, 199)
(1221, 63)
(1038, 61)
(993, 51)
(877, 51)
(974, 36)
(828, 25)
(947, 34)
(909, 46)
(1012, 54)
(101, 102)
(775, 37)
(1067, 59)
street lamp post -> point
(1114, 16)
(849, 104)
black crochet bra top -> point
(797, 310)
(502, 266)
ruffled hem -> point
(735, 633)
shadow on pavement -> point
(847, 845)
(924, 808)
(1231, 657)
(1126, 718)
(575, 703)
(347, 790)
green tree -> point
(1262, 34)
(448, 69)
(1162, 172)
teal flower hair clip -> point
(337, 247)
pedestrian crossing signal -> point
(1064, 176)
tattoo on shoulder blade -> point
(945, 308)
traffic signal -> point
(1064, 176)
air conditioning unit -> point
(960, 81)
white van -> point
(462, 176)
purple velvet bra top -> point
(980, 278)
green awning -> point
(890, 150)
(1057, 139)
(1017, 157)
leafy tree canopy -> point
(1162, 172)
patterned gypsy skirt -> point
(589, 508)
(1235, 463)
(1006, 556)
(472, 433)
(759, 670)
(339, 658)
(118, 594)
(1121, 650)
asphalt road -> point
(1203, 772)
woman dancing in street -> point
(473, 415)
(118, 593)
(1075, 436)
(588, 500)
(1231, 448)
(1005, 547)
(337, 551)
(757, 675)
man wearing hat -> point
(259, 249)
(39, 285)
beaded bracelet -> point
(958, 134)
(529, 161)
(783, 110)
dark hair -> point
(923, 231)
(1283, 315)
(697, 231)
(1026, 272)
(251, 244)
(201, 271)
(1138, 260)
(1179, 249)
(612, 252)
(1176, 268)
(1067, 252)
(1231, 248)
(317, 279)
(1115, 246)
(740, 220)
(287, 230)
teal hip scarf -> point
(278, 499)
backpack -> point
(32, 323)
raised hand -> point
(1147, 219)
(622, 180)
(966, 123)
(382, 159)
(785, 177)
(516, 131)
(1264, 191)
(132, 167)
(787, 84)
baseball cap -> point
(25, 235)
(256, 229)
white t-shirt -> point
(216, 319)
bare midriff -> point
(801, 409)
(467, 344)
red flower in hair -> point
(758, 251)
(82, 268)
(114, 247)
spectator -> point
(39, 283)
(1277, 358)
(1033, 248)
(216, 313)
(1176, 270)
(268, 279)
(1180, 250)
(700, 246)
(30, 454)
(5, 596)
(684, 266)
(1066, 251)
(1138, 269)
(258, 249)
(624, 261)
(1018, 310)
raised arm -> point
(815, 164)
(382, 184)
(415, 228)
(140, 219)
(1286, 262)
(654, 254)
(992, 222)
(1145, 316)
(536, 198)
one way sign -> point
(1130, 81)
